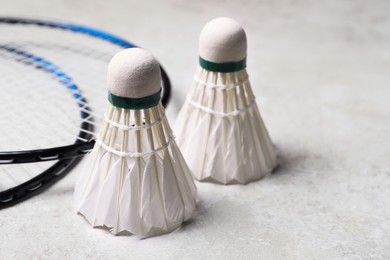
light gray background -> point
(321, 74)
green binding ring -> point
(222, 67)
(135, 103)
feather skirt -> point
(220, 130)
(136, 179)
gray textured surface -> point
(320, 70)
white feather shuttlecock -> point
(136, 179)
(219, 129)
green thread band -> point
(135, 103)
(222, 67)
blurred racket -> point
(52, 77)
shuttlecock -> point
(219, 129)
(136, 179)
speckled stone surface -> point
(320, 70)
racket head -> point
(53, 74)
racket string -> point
(41, 111)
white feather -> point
(185, 182)
(145, 190)
(151, 198)
(130, 200)
(221, 132)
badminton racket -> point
(53, 95)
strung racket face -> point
(53, 97)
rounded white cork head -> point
(222, 40)
(134, 73)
